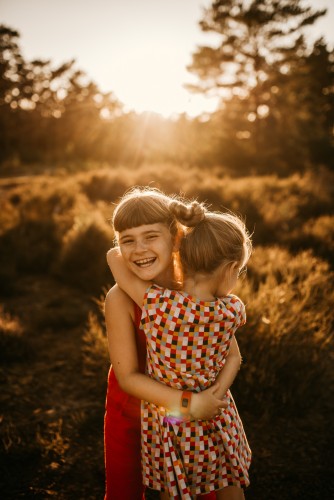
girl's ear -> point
(177, 240)
(228, 269)
(234, 265)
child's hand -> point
(114, 251)
(206, 404)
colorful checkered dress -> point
(187, 344)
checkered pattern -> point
(187, 344)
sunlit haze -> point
(139, 49)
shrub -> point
(83, 258)
(106, 186)
(31, 246)
(289, 332)
(317, 234)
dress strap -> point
(137, 311)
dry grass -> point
(13, 343)
(54, 233)
(95, 347)
(288, 339)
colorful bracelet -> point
(185, 402)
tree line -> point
(276, 101)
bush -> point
(104, 186)
(289, 332)
(317, 234)
(83, 259)
(31, 246)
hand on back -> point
(206, 404)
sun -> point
(154, 82)
(164, 96)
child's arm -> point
(126, 279)
(230, 370)
(223, 382)
(123, 355)
(204, 405)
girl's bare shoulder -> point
(118, 300)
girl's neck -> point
(167, 279)
(203, 287)
(172, 277)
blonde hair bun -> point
(189, 214)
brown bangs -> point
(137, 211)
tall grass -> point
(13, 342)
(95, 348)
(51, 225)
(58, 229)
(288, 339)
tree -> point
(302, 110)
(11, 63)
(256, 39)
(47, 112)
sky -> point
(138, 49)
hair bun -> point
(189, 214)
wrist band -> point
(185, 402)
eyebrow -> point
(145, 233)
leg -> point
(122, 458)
(164, 495)
(230, 493)
(208, 496)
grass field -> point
(54, 234)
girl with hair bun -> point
(148, 233)
(189, 335)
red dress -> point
(122, 431)
(122, 434)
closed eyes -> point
(127, 241)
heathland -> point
(68, 152)
(55, 231)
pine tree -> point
(252, 36)
(258, 42)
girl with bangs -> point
(149, 235)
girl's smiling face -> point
(148, 252)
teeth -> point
(145, 262)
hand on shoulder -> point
(112, 252)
